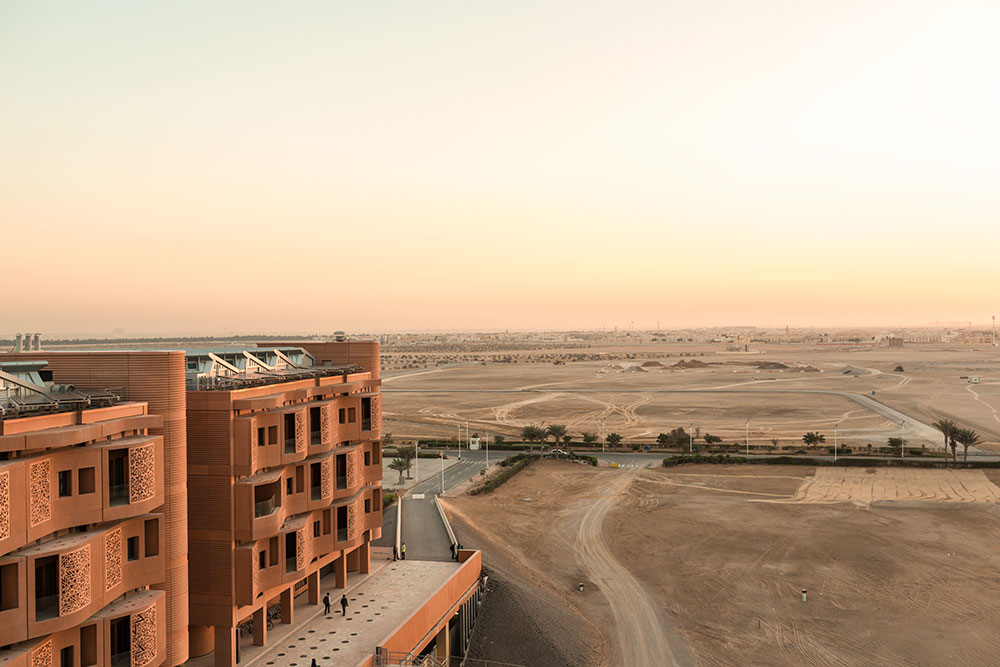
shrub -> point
(388, 498)
(512, 465)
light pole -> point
(441, 456)
(748, 436)
(416, 460)
(691, 440)
(602, 436)
(834, 443)
(902, 441)
(460, 440)
(487, 450)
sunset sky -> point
(199, 167)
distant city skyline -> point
(177, 167)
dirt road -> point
(640, 629)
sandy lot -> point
(494, 399)
(717, 556)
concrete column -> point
(442, 645)
(365, 555)
(287, 605)
(340, 572)
(260, 627)
(313, 583)
(353, 561)
(225, 646)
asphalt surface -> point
(424, 533)
(388, 538)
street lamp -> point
(902, 441)
(691, 440)
(748, 436)
(834, 443)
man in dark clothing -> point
(452, 547)
(326, 604)
(395, 552)
(343, 604)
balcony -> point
(46, 607)
(118, 494)
(264, 507)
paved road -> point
(470, 464)
(423, 531)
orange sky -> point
(248, 167)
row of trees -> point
(955, 435)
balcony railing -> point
(366, 424)
(46, 607)
(341, 481)
(289, 445)
(123, 659)
(264, 507)
(342, 534)
(315, 437)
(317, 492)
(118, 494)
(290, 564)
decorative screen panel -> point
(144, 637)
(352, 521)
(352, 469)
(74, 580)
(41, 492)
(376, 412)
(141, 473)
(4, 504)
(301, 432)
(112, 558)
(326, 423)
(326, 479)
(42, 655)
(300, 549)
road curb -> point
(444, 518)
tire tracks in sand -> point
(641, 631)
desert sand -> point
(705, 564)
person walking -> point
(343, 604)
(395, 552)
(314, 663)
(402, 551)
(451, 545)
(326, 604)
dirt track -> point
(640, 628)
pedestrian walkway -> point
(377, 606)
(423, 530)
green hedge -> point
(670, 462)
(513, 465)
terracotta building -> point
(84, 534)
(284, 483)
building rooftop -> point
(239, 368)
(27, 389)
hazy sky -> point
(307, 166)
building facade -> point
(284, 482)
(82, 524)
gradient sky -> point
(194, 167)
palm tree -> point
(774, 442)
(555, 431)
(589, 438)
(948, 429)
(567, 439)
(533, 434)
(614, 439)
(967, 438)
(813, 438)
(401, 466)
(407, 454)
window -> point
(343, 416)
(260, 437)
(121, 642)
(8, 587)
(366, 413)
(65, 483)
(316, 480)
(118, 477)
(262, 560)
(326, 522)
(133, 548)
(66, 657)
(289, 432)
(341, 471)
(377, 500)
(85, 480)
(288, 486)
(368, 458)
(290, 551)
(315, 528)
(315, 428)
(368, 505)
(46, 588)
(352, 415)
(342, 523)
(272, 548)
(299, 478)
(272, 435)
(377, 453)
(152, 534)
(88, 646)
